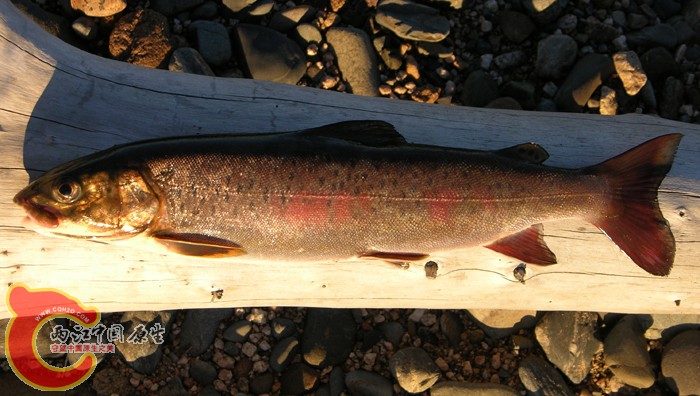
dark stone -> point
(458, 388)
(555, 55)
(336, 382)
(506, 103)
(544, 11)
(329, 336)
(656, 35)
(283, 328)
(452, 326)
(282, 353)
(262, 384)
(291, 17)
(658, 63)
(393, 332)
(298, 379)
(172, 7)
(366, 383)
(516, 26)
(479, 89)
(208, 10)
(671, 98)
(188, 60)
(267, 54)
(600, 32)
(238, 331)
(199, 328)
(586, 76)
(370, 338)
(173, 387)
(412, 21)
(145, 356)
(213, 42)
(540, 378)
(522, 91)
(680, 363)
(203, 372)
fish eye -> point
(67, 191)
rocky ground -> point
(599, 56)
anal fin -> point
(526, 245)
(198, 245)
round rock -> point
(329, 336)
(626, 353)
(680, 363)
(269, 55)
(366, 383)
(412, 21)
(238, 331)
(98, 8)
(213, 42)
(586, 76)
(287, 19)
(516, 26)
(457, 388)
(282, 353)
(414, 369)
(555, 55)
(188, 60)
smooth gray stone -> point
(671, 98)
(414, 369)
(202, 371)
(208, 10)
(356, 59)
(189, 60)
(516, 26)
(288, 19)
(658, 63)
(238, 331)
(173, 387)
(366, 383)
(521, 91)
(458, 388)
(626, 353)
(199, 328)
(213, 42)
(237, 5)
(85, 27)
(680, 363)
(540, 378)
(599, 32)
(510, 59)
(666, 326)
(306, 34)
(336, 382)
(267, 54)
(393, 332)
(452, 327)
(298, 379)
(479, 89)
(283, 328)
(663, 35)
(691, 13)
(499, 323)
(262, 384)
(506, 103)
(261, 7)
(586, 76)
(568, 339)
(282, 353)
(555, 55)
(412, 21)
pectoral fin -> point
(527, 245)
(527, 152)
(198, 245)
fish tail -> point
(633, 219)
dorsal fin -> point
(527, 152)
(369, 133)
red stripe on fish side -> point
(321, 209)
(442, 204)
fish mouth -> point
(41, 215)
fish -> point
(354, 189)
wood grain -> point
(59, 103)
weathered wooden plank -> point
(59, 103)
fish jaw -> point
(40, 215)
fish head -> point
(89, 203)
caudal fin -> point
(634, 221)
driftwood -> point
(58, 103)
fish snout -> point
(42, 215)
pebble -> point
(237, 5)
(506, 103)
(365, 383)
(213, 42)
(586, 76)
(680, 363)
(522, 91)
(541, 378)
(663, 327)
(544, 11)
(99, 8)
(199, 328)
(629, 69)
(608, 101)
(283, 352)
(172, 7)
(671, 98)
(413, 369)
(307, 33)
(262, 384)
(502, 323)
(329, 336)
(85, 27)
(457, 388)
(626, 353)
(451, 325)
(568, 340)
(202, 371)
(298, 379)
(658, 63)
(656, 35)
(269, 55)
(356, 59)
(510, 59)
(207, 10)
(142, 38)
(555, 55)
(288, 19)
(412, 21)
(283, 328)
(143, 357)
(189, 60)
(238, 331)
(516, 26)
(479, 89)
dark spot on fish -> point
(677, 302)
(251, 184)
(394, 183)
(341, 185)
(251, 205)
(519, 273)
(446, 174)
(364, 176)
(228, 179)
(431, 269)
(356, 190)
(381, 183)
(291, 176)
(323, 286)
(377, 166)
(5, 253)
(329, 203)
(283, 199)
(321, 181)
(336, 172)
(429, 182)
